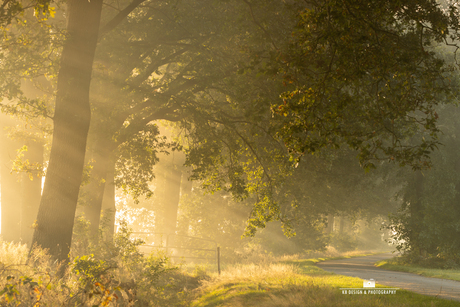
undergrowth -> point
(109, 274)
(115, 273)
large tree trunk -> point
(31, 192)
(71, 123)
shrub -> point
(343, 242)
(119, 276)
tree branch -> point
(112, 24)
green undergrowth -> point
(395, 264)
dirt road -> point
(363, 267)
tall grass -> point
(116, 275)
(13, 254)
(293, 281)
(128, 278)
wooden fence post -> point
(218, 259)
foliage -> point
(30, 168)
(10, 10)
(426, 226)
(189, 76)
(127, 247)
(137, 156)
(89, 268)
(31, 48)
(371, 81)
(343, 241)
(123, 278)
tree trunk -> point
(10, 193)
(342, 224)
(330, 224)
(108, 203)
(172, 196)
(31, 192)
(160, 196)
(185, 194)
(96, 187)
(71, 123)
(416, 212)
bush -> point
(119, 276)
(344, 242)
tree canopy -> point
(250, 87)
(365, 73)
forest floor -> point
(297, 282)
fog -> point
(140, 136)
(178, 212)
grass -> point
(261, 280)
(296, 282)
(394, 265)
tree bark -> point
(72, 116)
(31, 192)
(96, 186)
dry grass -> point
(296, 282)
(262, 280)
(89, 281)
(13, 254)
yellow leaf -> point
(52, 11)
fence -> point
(170, 241)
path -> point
(363, 267)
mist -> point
(144, 138)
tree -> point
(168, 64)
(426, 226)
(10, 9)
(180, 61)
(71, 123)
(365, 74)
